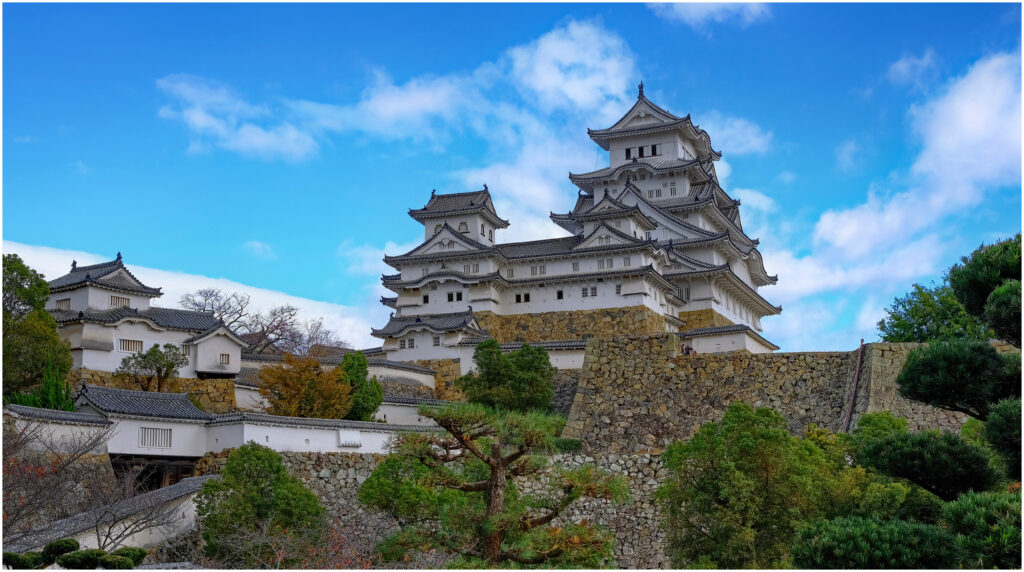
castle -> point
(657, 246)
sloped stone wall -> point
(445, 373)
(565, 382)
(571, 325)
(706, 318)
(210, 395)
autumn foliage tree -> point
(299, 387)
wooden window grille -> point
(437, 341)
(64, 304)
(119, 301)
(155, 437)
(225, 359)
(134, 346)
(186, 350)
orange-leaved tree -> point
(300, 388)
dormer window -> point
(481, 230)
(119, 301)
(641, 149)
(463, 227)
(490, 235)
(654, 151)
(437, 228)
(629, 153)
(64, 304)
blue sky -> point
(276, 148)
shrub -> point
(112, 562)
(988, 267)
(1002, 431)
(16, 561)
(367, 392)
(566, 445)
(54, 549)
(136, 555)
(34, 559)
(855, 542)
(941, 463)
(520, 380)
(1002, 311)
(81, 559)
(960, 376)
(987, 528)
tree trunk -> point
(495, 504)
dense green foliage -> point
(81, 559)
(151, 369)
(987, 528)
(1002, 431)
(54, 549)
(367, 392)
(454, 491)
(1002, 311)
(856, 542)
(738, 490)
(961, 376)
(24, 291)
(55, 393)
(987, 269)
(114, 562)
(941, 463)
(17, 561)
(520, 380)
(929, 314)
(257, 515)
(136, 555)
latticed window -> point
(225, 359)
(463, 227)
(437, 341)
(134, 346)
(119, 301)
(64, 304)
(154, 437)
(186, 350)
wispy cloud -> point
(260, 249)
(697, 15)
(848, 156)
(352, 323)
(738, 135)
(913, 70)
(80, 167)
(25, 139)
(787, 177)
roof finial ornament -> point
(470, 308)
(641, 90)
(74, 264)
(119, 255)
(433, 192)
(485, 186)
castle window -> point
(437, 341)
(558, 295)
(490, 235)
(625, 261)
(584, 292)
(657, 193)
(575, 266)
(225, 359)
(437, 228)
(672, 191)
(119, 302)
(463, 227)
(154, 437)
(476, 268)
(629, 153)
(186, 350)
(686, 293)
(540, 270)
(426, 298)
(641, 149)
(608, 262)
(451, 296)
(401, 344)
(426, 271)
(482, 230)
(593, 290)
(600, 264)
(411, 344)
(134, 346)
(618, 224)
(64, 304)
(526, 297)
(509, 272)
(654, 151)
(465, 269)
(618, 288)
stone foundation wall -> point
(637, 393)
(446, 371)
(571, 325)
(210, 395)
(565, 382)
(395, 389)
(707, 318)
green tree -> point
(863, 543)
(941, 463)
(960, 376)
(987, 528)
(1002, 431)
(987, 270)
(257, 515)
(151, 370)
(739, 489)
(53, 394)
(456, 491)
(367, 392)
(520, 380)
(929, 314)
(1002, 311)
(30, 340)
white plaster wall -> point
(474, 221)
(79, 299)
(423, 347)
(315, 439)
(187, 439)
(99, 299)
(727, 343)
(63, 434)
(224, 436)
(111, 360)
(402, 414)
(249, 399)
(207, 355)
(184, 520)
(382, 372)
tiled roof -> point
(389, 301)
(142, 403)
(654, 164)
(548, 345)
(120, 510)
(373, 351)
(532, 248)
(57, 416)
(80, 276)
(437, 322)
(701, 332)
(268, 419)
(415, 401)
(459, 203)
(170, 318)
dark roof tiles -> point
(170, 318)
(142, 403)
(73, 417)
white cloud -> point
(913, 70)
(699, 14)
(352, 323)
(871, 311)
(848, 155)
(755, 200)
(363, 259)
(260, 249)
(787, 177)
(80, 167)
(25, 139)
(735, 135)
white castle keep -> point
(657, 246)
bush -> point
(987, 528)
(16, 561)
(941, 463)
(519, 381)
(960, 376)
(81, 559)
(54, 549)
(566, 445)
(34, 559)
(1002, 431)
(854, 542)
(136, 555)
(1002, 311)
(988, 267)
(112, 562)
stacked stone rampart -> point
(571, 325)
(210, 395)
(446, 371)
